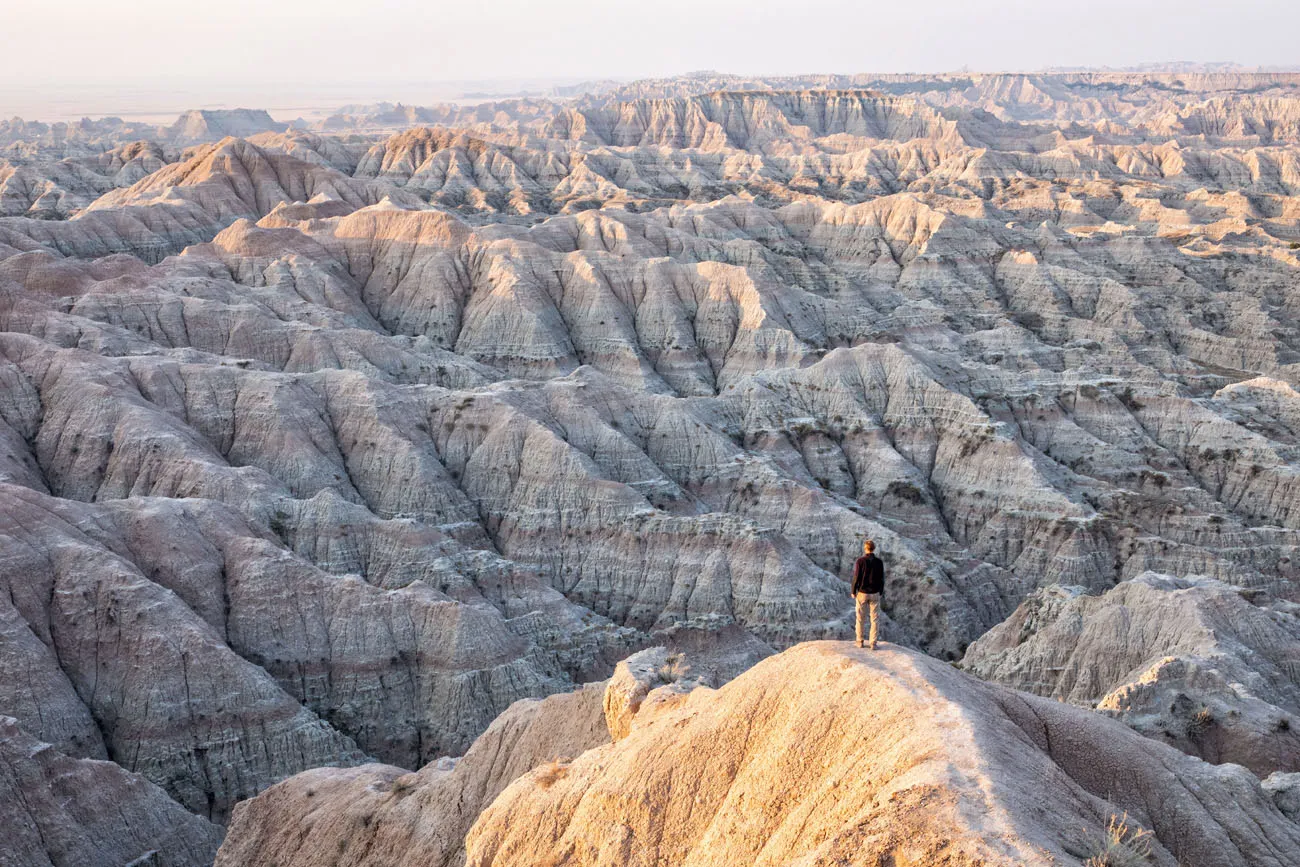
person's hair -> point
(869, 545)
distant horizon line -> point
(1164, 66)
(70, 102)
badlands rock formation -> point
(321, 448)
(821, 755)
(1203, 665)
(830, 755)
(378, 815)
(381, 815)
(53, 171)
(57, 810)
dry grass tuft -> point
(404, 785)
(1200, 722)
(1124, 845)
(551, 772)
(673, 669)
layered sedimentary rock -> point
(186, 634)
(186, 202)
(57, 189)
(61, 811)
(381, 815)
(54, 171)
(827, 755)
(378, 815)
(1106, 102)
(203, 125)
(371, 435)
(1205, 666)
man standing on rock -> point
(868, 585)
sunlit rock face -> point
(827, 754)
(819, 755)
(380, 815)
(325, 446)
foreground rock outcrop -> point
(821, 755)
(378, 815)
(830, 755)
(381, 816)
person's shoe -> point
(859, 643)
(873, 645)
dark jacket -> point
(868, 575)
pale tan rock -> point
(203, 125)
(379, 815)
(827, 754)
(650, 679)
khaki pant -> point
(871, 600)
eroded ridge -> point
(340, 441)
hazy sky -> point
(203, 50)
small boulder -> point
(654, 676)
